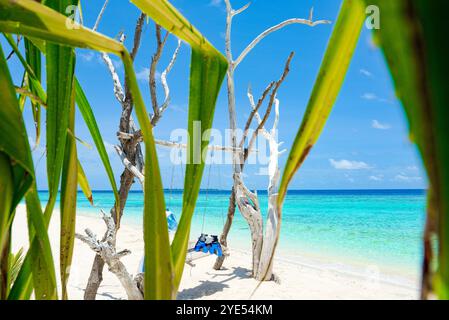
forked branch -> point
(107, 251)
(159, 110)
(272, 100)
(230, 15)
(260, 37)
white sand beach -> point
(298, 279)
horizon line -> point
(214, 189)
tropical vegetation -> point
(415, 50)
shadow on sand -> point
(207, 288)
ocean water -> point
(381, 228)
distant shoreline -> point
(294, 191)
(303, 279)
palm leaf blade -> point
(89, 119)
(208, 68)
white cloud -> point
(373, 97)
(404, 178)
(412, 168)
(381, 126)
(87, 56)
(369, 96)
(109, 148)
(366, 73)
(144, 74)
(348, 165)
(215, 3)
(376, 178)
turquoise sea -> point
(380, 228)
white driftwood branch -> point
(264, 269)
(100, 15)
(136, 172)
(256, 113)
(118, 88)
(237, 156)
(308, 22)
(271, 226)
(172, 144)
(164, 78)
(249, 207)
(106, 249)
(233, 12)
(276, 116)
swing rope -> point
(171, 184)
(207, 195)
(208, 244)
(220, 186)
(173, 172)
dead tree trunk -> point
(130, 146)
(239, 159)
(96, 273)
(106, 250)
(227, 227)
(248, 203)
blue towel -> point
(171, 221)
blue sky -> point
(365, 144)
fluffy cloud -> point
(144, 74)
(110, 149)
(88, 56)
(366, 73)
(381, 126)
(373, 97)
(215, 3)
(376, 178)
(404, 178)
(348, 165)
(369, 96)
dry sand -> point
(297, 279)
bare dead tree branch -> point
(160, 110)
(240, 159)
(164, 80)
(138, 35)
(128, 165)
(253, 112)
(118, 88)
(130, 150)
(137, 136)
(133, 153)
(107, 251)
(154, 62)
(270, 104)
(308, 22)
(100, 15)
